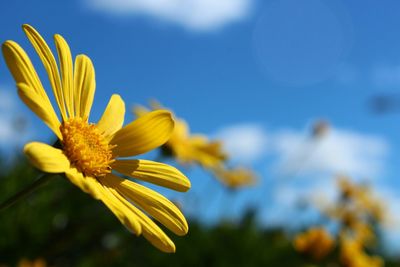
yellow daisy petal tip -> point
(6, 47)
(28, 146)
(7, 44)
(118, 96)
(27, 26)
(173, 250)
(186, 184)
(168, 114)
(113, 117)
(185, 230)
(166, 249)
(170, 248)
(46, 158)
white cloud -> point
(200, 15)
(299, 199)
(298, 153)
(244, 142)
(339, 151)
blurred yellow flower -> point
(189, 148)
(356, 211)
(372, 206)
(235, 178)
(347, 189)
(353, 255)
(316, 242)
(360, 200)
(364, 233)
(89, 154)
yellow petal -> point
(121, 208)
(49, 63)
(209, 154)
(113, 117)
(151, 231)
(144, 134)
(153, 172)
(118, 206)
(64, 55)
(160, 240)
(40, 107)
(152, 203)
(46, 158)
(21, 67)
(24, 73)
(86, 183)
(84, 86)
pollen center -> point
(86, 147)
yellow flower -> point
(372, 206)
(89, 153)
(316, 242)
(353, 255)
(362, 198)
(189, 148)
(364, 233)
(347, 189)
(235, 178)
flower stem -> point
(28, 190)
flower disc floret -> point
(86, 147)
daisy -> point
(90, 153)
(189, 148)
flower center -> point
(86, 147)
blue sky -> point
(267, 69)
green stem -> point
(26, 191)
